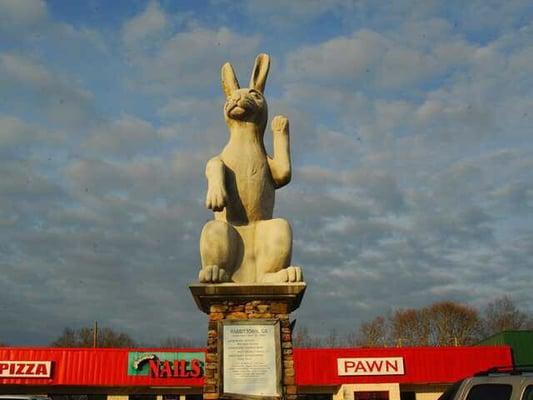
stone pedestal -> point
(246, 305)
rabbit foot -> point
(213, 274)
(289, 274)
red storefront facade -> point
(339, 374)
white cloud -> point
(21, 15)
(123, 137)
(337, 59)
(28, 22)
(23, 69)
(191, 59)
(149, 24)
(386, 60)
(187, 108)
(64, 100)
(294, 13)
(15, 132)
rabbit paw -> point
(289, 274)
(216, 197)
(294, 274)
(213, 274)
(280, 124)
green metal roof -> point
(521, 343)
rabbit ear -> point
(229, 80)
(260, 72)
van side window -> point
(528, 393)
(449, 394)
(495, 391)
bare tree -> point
(302, 338)
(503, 315)
(439, 324)
(373, 333)
(352, 339)
(332, 340)
(84, 337)
(453, 323)
(69, 338)
(411, 327)
(111, 338)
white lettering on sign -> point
(370, 366)
(25, 369)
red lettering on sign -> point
(360, 367)
(21, 369)
(180, 369)
(348, 365)
(30, 367)
(154, 368)
(183, 369)
(374, 366)
(176, 368)
(196, 369)
(390, 366)
(165, 371)
(370, 366)
(41, 370)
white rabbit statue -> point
(244, 244)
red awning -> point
(90, 367)
(314, 367)
(318, 367)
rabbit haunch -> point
(243, 243)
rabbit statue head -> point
(247, 105)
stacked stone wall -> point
(248, 310)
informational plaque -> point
(251, 361)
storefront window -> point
(187, 397)
(407, 396)
(315, 396)
(374, 395)
(78, 397)
(142, 397)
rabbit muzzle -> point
(241, 107)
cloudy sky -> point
(411, 131)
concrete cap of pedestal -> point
(207, 294)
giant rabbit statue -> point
(244, 244)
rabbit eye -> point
(255, 93)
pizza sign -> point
(25, 369)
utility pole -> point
(95, 335)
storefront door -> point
(374, 395)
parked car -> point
(498, 383)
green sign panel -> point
(139, 361)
